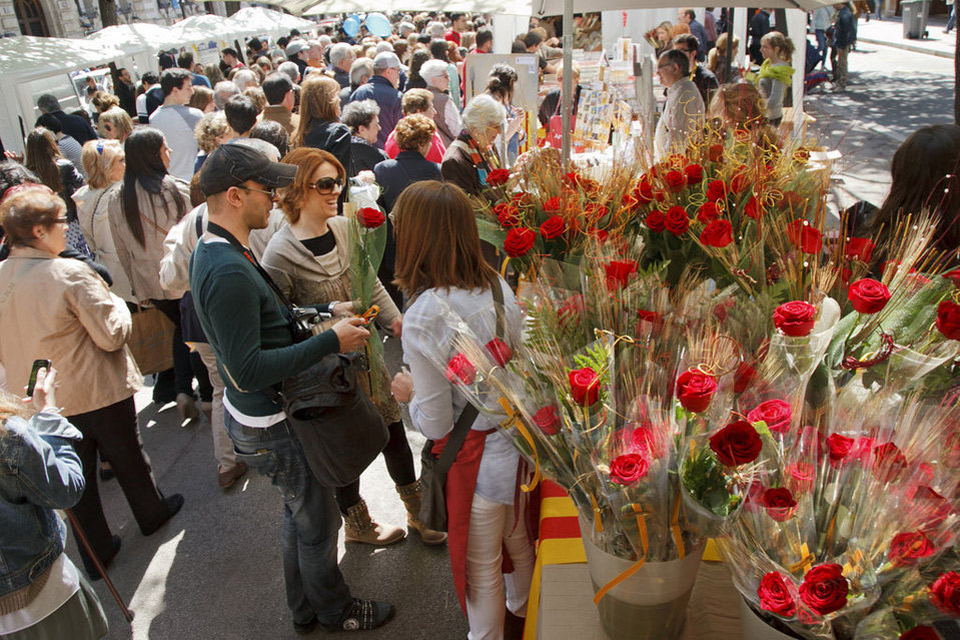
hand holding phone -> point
(34, 370)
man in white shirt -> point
(176, 120)
(683, 114)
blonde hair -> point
(718, 55)
(103, 101)
(211, 126)
(414, 131)
(781, 44)
(97, 158)
(319, 101)
(118, 119)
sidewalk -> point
(889, 33)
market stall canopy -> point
(134, 38)
(203, 28)
(26, 57)
(266, 21)
(517, 7)
(555, 7)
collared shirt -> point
(682, 117)
(278, 113)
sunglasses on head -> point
(327, 185)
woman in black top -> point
(363, 118)
(320, 125)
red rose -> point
(584, 386)
(737, 443)
(460, 370)
(945, 593)
(655, 221)
(775, 595)
(507, 214)
(920, 632)
(677, 221)
(908, 547)
(643, 439)
(593, 211)
(888, 462)
(868, 296)
(779, 503)
(552, 205)
(521, 199)
(792, 201)
(948, 319)
(498, 177)
(776, 413)
(718, 233)
(644, 190)
(716, 189)
(953, 276)
(500, 351)
(652, 317)
(743, 377)
(552, 227)
(932, 507)
(518, 242)
(739, 182)
(805, 237)
(675, 181)
(619, 272)
(795, 319)
(801, 474)
(839, 446)
(753, 209)
(695, 390)
(600, 234)
(707, 212)
(715, 152)
(571, 310)
(824, 589)
(370, 218)
(547, 420)
(628, 468)
(694, 173)
(859, 249)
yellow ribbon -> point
(642, 526)
(503, 267)
(675, 527)
(513, 419)
(597, 520)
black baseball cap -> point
(230, 165)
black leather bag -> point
(338, 426)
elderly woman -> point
(418, 101)
(470, 158)
(115, 124)
(310, 261)
(449, 273)
(105, 163)
(363, 118)
(61, 310)
(447, 118)
(320, 125)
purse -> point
(434, 469)
(151, 340)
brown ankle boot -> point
(410, 494)
(358, 527)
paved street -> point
(214, 571)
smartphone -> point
(37, 365)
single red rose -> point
(584, 386)
(718, 233)
(498, 177)
(859, 249)
(792, 201)
(695, 390)
(507, 214)
(754, 209)
(571, 310)
(716, 189)
(743, 377)
(521, 199)
(707, 212)
(795, 319)
(715, 152)
(460, 370)
(551, 205)
(753, 497)
(863, 450)
(628, 469)
(801, 476)
(500, 351)
(908, 547)
(737, 443)
(618, 273)
(948, 319)
(677, 221)
(779, 503)
(519, 241)
(945, 593)
(675, 181)
(920, 632)
(739, 182)
(652, 317)
(845, 275)
(839, 446)
(547, 420)
(721, 310)
(805, 237)
(931, 507)
(775, 595)
(644, 190)
(552, 227)
(370, 218)
(660, 196)
(888, 462)
(953, 276)
(824, 589)
(868, 296)
(776, 413)
(643, 439)
(600, 234)
(694, 173)
(655, 221)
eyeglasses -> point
(62, 219)
(272, 192)
(326, 186)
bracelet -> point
(331, 307)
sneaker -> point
(228, 478)
(363, 615)
(174, 504)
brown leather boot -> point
(358, 527)
(410, 494)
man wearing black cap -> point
(250, 333)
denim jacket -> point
(39, 472)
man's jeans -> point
(822, 46)
(311, 521)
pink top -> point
(434, 155)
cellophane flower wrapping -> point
(368, 237)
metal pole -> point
(566, 91)
(729, 45)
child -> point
(776, 74)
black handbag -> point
(434, 469)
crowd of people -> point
(213, 194)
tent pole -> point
(730, 44)
(566, 91)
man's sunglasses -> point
(325, 186)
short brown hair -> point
(22, 211)
(416, 101)
(432, 208)
(319, 100)
(308, 159)
(414, 131)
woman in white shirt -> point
(448, 275)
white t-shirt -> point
(177, 123)
(64, 581)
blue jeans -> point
(822, 46)
(952, 20)
(311, 521)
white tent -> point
(136, 37)
(266, 21)
(507, 7)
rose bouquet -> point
(368, 237)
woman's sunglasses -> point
(326, 186)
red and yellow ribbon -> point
(642, 527)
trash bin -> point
(915, 14)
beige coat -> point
(60, 309)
